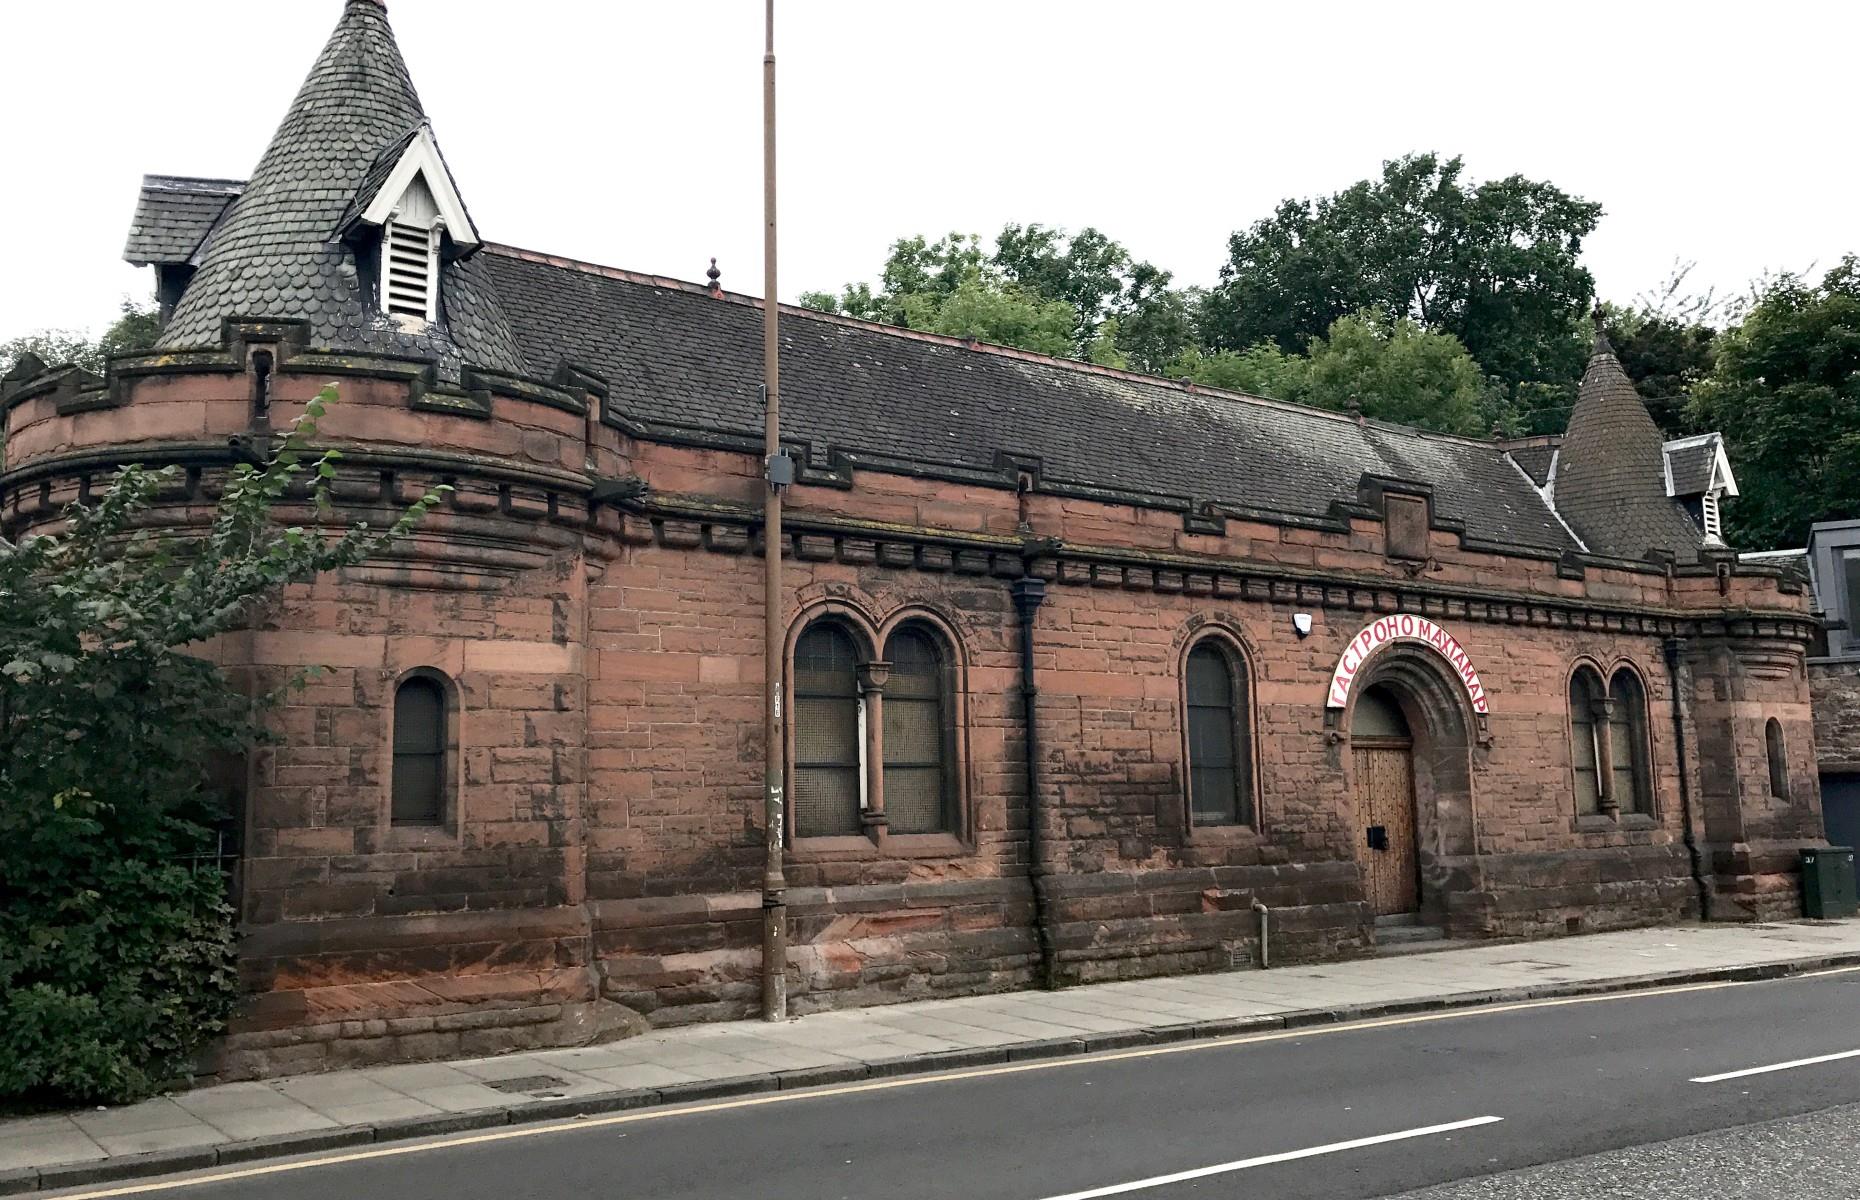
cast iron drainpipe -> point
(1265, 928)
(1029, 593)
(1672, 647)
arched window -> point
(1586, 711)
(1220, 783)
(917, 779)
(1779, 760)
(1627, 743)
(420, 743)
(828, 760)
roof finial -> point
(716, 289)
(1601, 344)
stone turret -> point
(301, 240)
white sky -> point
(628, 132)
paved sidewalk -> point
(238, 1122)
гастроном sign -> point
(1403, 627)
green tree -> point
(135, 328)
(1116, 311)
(1785, 392)
(1665, 357)
(116, 942)
(1393, 370)
(1494, 264)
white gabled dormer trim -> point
(421, 159)
(1721, 479)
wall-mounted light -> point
(1302, 623)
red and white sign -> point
(1403, 627)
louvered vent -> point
(1714, 525)
(409, 271)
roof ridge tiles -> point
(1187, 387)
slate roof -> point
(1610, 473)
(173, 215)
(679, 358)
(275, 254)
(377, 174)
(1536, 461)
(675, 356)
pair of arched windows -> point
(1608, 736)
(837, 695)
(1220, 755)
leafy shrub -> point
(116, 938)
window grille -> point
(917, 736)
(1219, 776)
(419, 753)
(828, 757)
(1585, 704)
(1631, 789)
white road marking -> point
(579, 1124)
(1266, 1160)
(1783, 1066)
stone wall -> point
(592, 600)
(1835, 685)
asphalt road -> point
(1331, 1112)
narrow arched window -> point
(827, 755)
(918, 758)
(1220, 786)
(419, 786)
(1779, 760)
(1585, 713)
(1627, 743)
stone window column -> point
(872, 677)
(1604, 713)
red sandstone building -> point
(1375, 679)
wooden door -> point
(1385, 828)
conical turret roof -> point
(277, 253)
(1610, 471)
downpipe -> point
(1672, 648)
(1029, 592)
(1265, 934)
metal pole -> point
(774, 880)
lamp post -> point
(778, 471)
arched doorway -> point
(1382, 749)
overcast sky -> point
(627, 132)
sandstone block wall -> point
(593, 602)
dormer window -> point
(409, 197)
(1698, 475)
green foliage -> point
(1495, 265)
(1665, 357)
(116, 942)
(135, 328)
(1785, 392)
(1391, 370)
(1077, 296)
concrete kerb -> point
(29, 1179)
